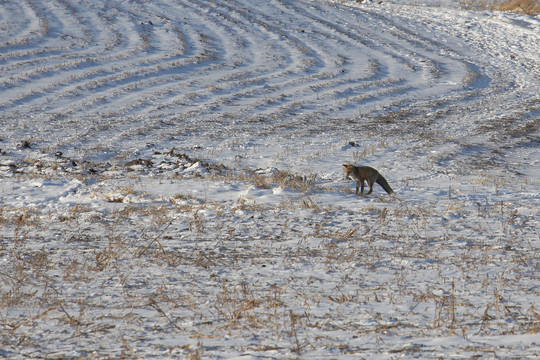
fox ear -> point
(345, 165)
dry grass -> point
(276, 179)
(183, 265)
(529, 7)
(169, 266)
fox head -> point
(347, 169)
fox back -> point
(360, 173)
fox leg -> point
(362, 188)
(370, 183)
(358, 186)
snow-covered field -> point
(171, 180)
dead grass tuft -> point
(529, 7)
(279, 179)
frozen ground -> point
(171, 180)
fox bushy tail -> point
(382, 181)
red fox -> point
(366, 173)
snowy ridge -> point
(171, 180)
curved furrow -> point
(328, 89)
(260, 90)
(345, 65)
(193, 64)
(72, 49)
(126, 74)
(312, 64)
(235, 73)
(403, 55)
(494, 92)
(107, 61)
(161, 67)
(21, 26)
(444, 77)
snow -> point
(171, 180)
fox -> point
(369, 174)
